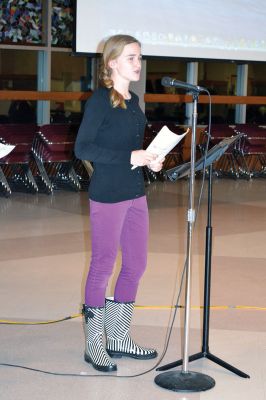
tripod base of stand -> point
(210, 356)
(180, 381)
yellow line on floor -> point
(9, 322)
(236, 307)
(201, 307)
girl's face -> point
(127, 66)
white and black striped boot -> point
(95, 352)
(117, 324)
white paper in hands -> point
(163, 143)
(5, 149)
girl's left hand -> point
(156, 166)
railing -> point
(34, 95)
(180, 98)
(148, 98)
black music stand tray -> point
(179, 172)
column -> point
(241, 90)
(44, 66)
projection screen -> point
(196, 29)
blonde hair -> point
(113, 48)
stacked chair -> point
(16, 170)
(53, 153)
(227, 165)
(252, 150)
(42, 160)
(4, 186)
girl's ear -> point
(112, 64)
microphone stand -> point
(205, 353)
(185, 380)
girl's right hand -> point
(141, 158)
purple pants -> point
(114, 225)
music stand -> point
(213, 155)
(173, 174)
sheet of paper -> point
(163, 143)
(5, 149)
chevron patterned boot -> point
(117, 323)
(95, 352)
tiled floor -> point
(44, 259)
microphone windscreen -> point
(166, 81)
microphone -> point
(166, 81)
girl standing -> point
(111, 136)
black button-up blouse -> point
(106, 137)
